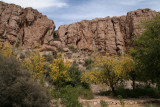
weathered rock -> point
(57, 44)
(111, 35)
(24, 27)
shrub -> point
(73, 49)
(35, 63)
(75, 74)
(87, 62)
(103, 103)
(137, 93)
(69, 96)
(121, 100)
(48, 58)
(17, 89)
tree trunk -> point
(113, 89)
(133, 84)
(133, 77)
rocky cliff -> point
(30, 29)
(111, 35)
(24, 27)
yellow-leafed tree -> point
(35, 64)
(59, 71)
(109, 70)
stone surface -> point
(30, 29)
(24, 27)
(106, 35)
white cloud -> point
(38, 4)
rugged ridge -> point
(24, 27)
(29, 29)
(111, 35)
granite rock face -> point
(24, 27)
(111, 35)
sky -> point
(70, 11)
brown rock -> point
(26, 27)
(111, 35)
(57, 44)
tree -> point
(109, 70)
(147, 52)
(35, 64)
(59, 71)
(17, 88)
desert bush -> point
(69, 96)
(73, 49)
(6, 50)
(103, 103)
(88, 62)
(17, 89)
(35, 63)
(48, 58)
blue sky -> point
(69, 11)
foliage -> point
(147, 52)
(103, 103)
(48, 58)
(109, 70)
(73, 49)
(69, 96)
(17, 89)
(121, 100)
(75, 75)
(59, 71)
(6, 50)
(70, 99)
(35, 64)
(88, 63)
(137, 93)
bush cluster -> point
(17, 89)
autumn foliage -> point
(35, 63)
(59, 71)
(109, 70)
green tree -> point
(146, 51)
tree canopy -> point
(146, 51)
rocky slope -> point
(111, 35)
(24, 27)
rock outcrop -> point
(30, 29)
(24, 27)
(111, 35)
